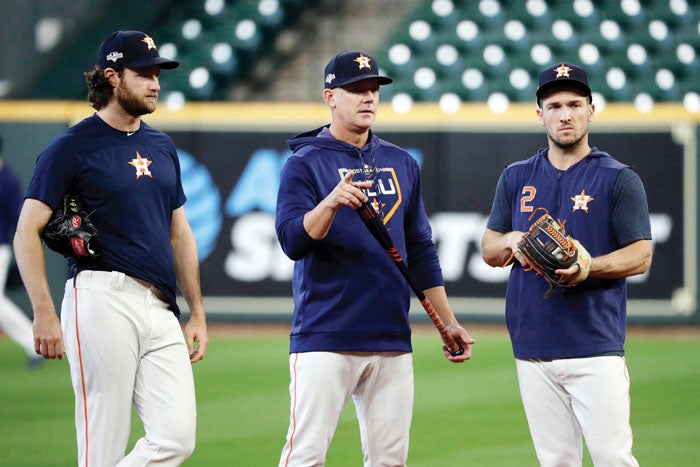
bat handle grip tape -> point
(453, 347)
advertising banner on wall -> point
(231, 181)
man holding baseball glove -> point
(574, 224)
(351, 336)
(114, 178)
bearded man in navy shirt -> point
(119, 323)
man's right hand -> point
(48, 336)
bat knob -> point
(458, 352)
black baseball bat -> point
(378, 231)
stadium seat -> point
(469, 86)
(223, 38)
(626, 43)
(489, 14)
(506, 42)
(420, 36)
(689, 32)
(582, 15)
(517, 40)
(675, 13)
(683, 62)
(466, 35)
(627, 13)
(194, 81)
(535, 15)
(608, 37)
(220, 57)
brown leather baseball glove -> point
(547, 248)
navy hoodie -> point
(348, 295)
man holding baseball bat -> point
(351, 335)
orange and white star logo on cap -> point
(149, 42)
(363, 61)
(563, 70)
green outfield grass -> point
(464, 414)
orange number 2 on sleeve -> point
(528, 195)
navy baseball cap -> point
(131, 49)
(563, 76)
(352, 66)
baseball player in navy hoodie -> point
(351, 335)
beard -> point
(132, 104)
(567, 143)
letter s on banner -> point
(255, 252)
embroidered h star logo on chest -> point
(141, 165)
(581, 201)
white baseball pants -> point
(124, 346)
(381, 386)
(567, 398)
